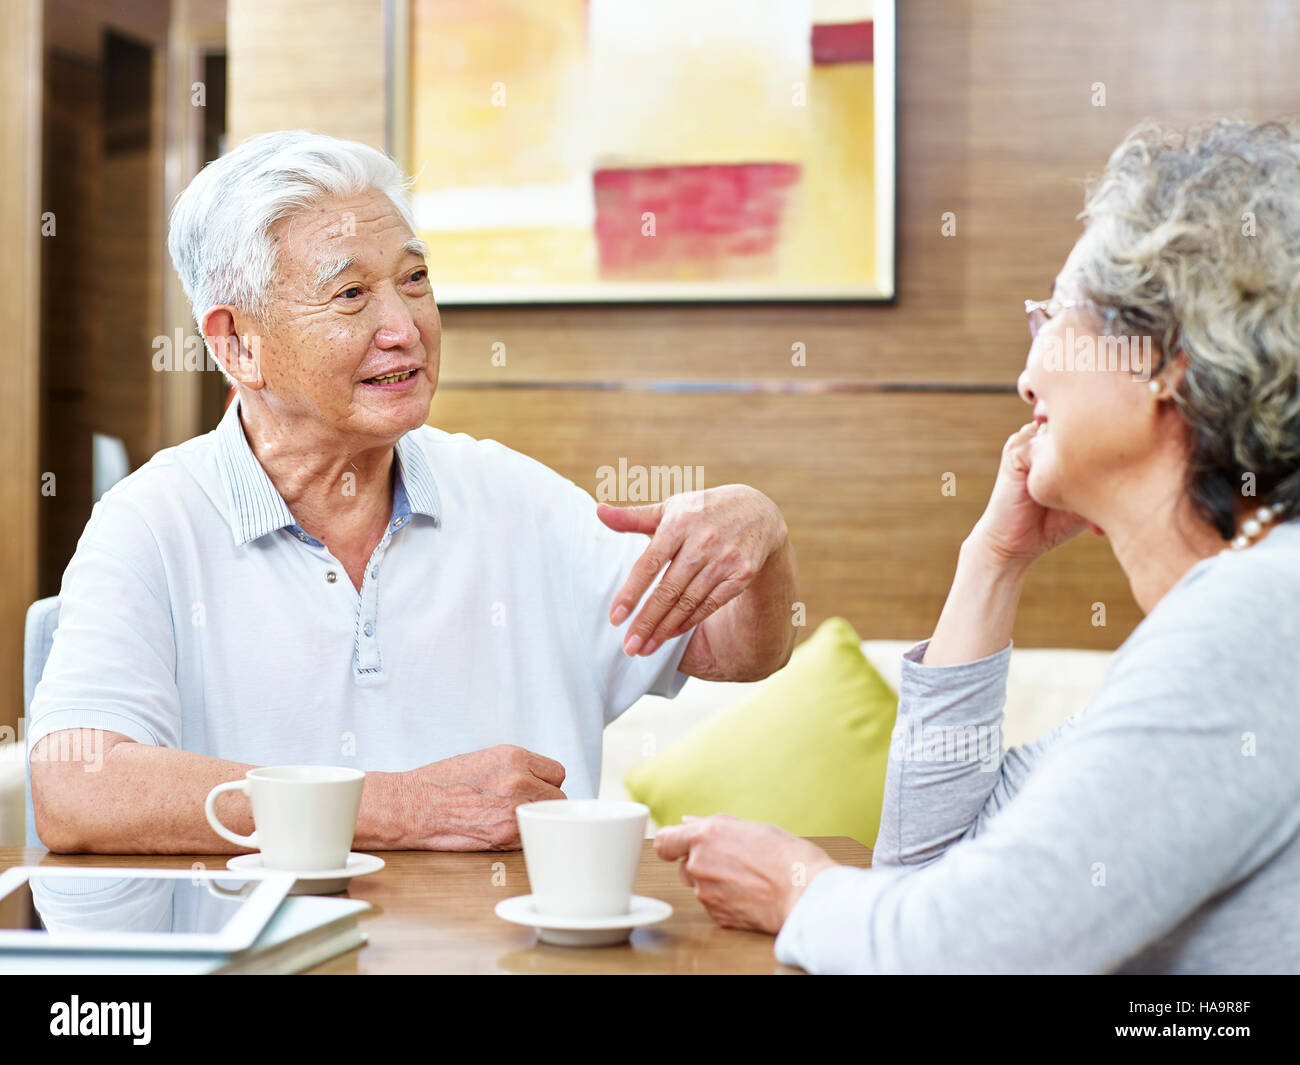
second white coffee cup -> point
(304, 816)
(582, 854)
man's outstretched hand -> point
(714, 543)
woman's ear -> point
(1174, 369)
(1165, 381)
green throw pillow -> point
(807, 752)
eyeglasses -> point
(1039, 311)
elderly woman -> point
(326, 579)
(1159, 828)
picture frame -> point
(737, 176)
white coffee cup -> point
(304, 816)
(582, 854)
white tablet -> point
(55, 908)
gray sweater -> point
(1157, 830)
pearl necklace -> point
(1253, 528)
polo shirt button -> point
(370, 629)
(331, 576)
(302, 537)
(374, 571)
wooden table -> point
(433, 914)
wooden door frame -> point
(21, 95)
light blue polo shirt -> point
(197, 614)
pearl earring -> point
(1155, 386)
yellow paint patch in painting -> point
(683, 82)
(830, 235)
(532, 256)
(827, 11)
(496, 92)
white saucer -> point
(583, 931)
(315, 881)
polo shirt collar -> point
(256, 508)
(414, 475)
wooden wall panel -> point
(101, 300)
(126, 402)
(130, 245)
(307, 64)
(71, 328)
(20, 305)
(76, 27)
(195, 54)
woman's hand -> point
(746, 874)
(980, 611)
(1014, 528)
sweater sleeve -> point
(946, 762)
(944, 757)
(1164, 793)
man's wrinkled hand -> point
(713, 542)
(467, 803)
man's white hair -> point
(220, 235)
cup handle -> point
(210, 808)
(225, 893)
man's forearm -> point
(753, 635)
(143, 799)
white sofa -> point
(1044, 687)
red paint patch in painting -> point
(843, 42)
(713, 220)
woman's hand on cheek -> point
(1014, 528)
(746, 874)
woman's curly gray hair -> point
(1194, 238)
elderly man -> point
(326, 579)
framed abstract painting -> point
(658, 150)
